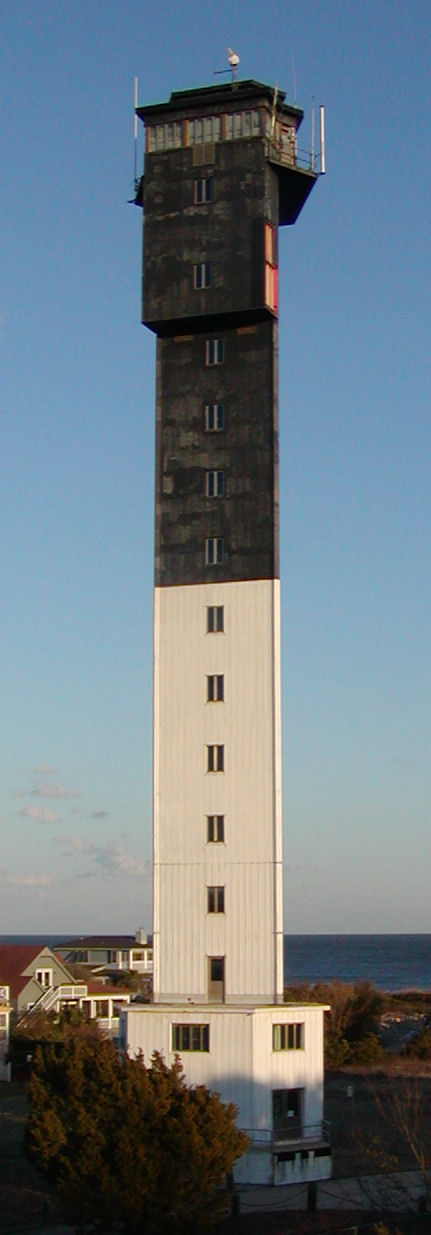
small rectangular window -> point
(215, 900)
(271, 272)
(202, 275)
(269, 243)
(215, 619)
(44, 977)
(161, 135)
(214, 484)
(288, 1037)
(271, 287)
(215, 688)
(204, 190)
(215, 758)
(214, 352)
(215, 829)
(214, 417)
(214, 550)
(190, 1037)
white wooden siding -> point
(247, 792)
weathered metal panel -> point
(246, 517)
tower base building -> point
(222, 172)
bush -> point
(420, 1047)
(127, 1145)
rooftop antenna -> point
(322, 141)
(136, 136)
(294, 76)
(312, 133)
(233, 59)
(274, 110)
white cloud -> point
(44, 769)
(54, 791)
(27, 881)
(111, 859)
(40, 814)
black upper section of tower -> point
(221, 172)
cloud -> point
(40, 814)
(301, 868)
(54, 791)
(99, 814)
(27, 881)
(44, 769)
(113, 860)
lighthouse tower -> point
(222, 172)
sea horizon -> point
(391, 960)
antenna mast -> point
(136, 135)
(322, 141)
(274, 110)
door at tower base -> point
(267, 1060)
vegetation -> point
(129, 1147)
(61, 1026)
(351, 1023)
(420, 1047)
(40, 1027)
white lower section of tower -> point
(196, 924)
(268, 1061)
(218, 885)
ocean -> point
(389, 962)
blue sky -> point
(77, 430)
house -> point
(36, 979)
(36, 976)
(5, 1011)
(114, 952)
(104, 1004)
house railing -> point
(54, 995)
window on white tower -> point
(215, 758)
(288, 1037)
(190, 1037)
(214, 550)
(215, 619)
(215, 688)
(215, 829)
(215, 900)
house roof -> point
(15, 958)
(101, 992)
(104, 941)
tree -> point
(129, 1147)
(350, 1024)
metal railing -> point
(301, 160)
(303, 1136)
